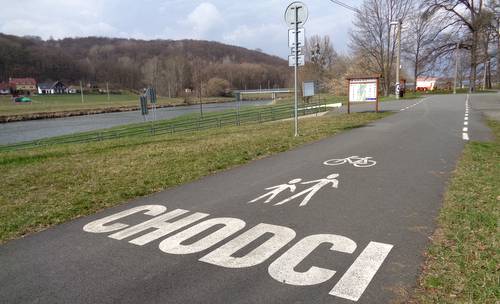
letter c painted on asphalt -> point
(98, 226)
(282, 269)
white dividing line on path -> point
(465, 130)
(411, 106)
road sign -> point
(301, 61)
(151, 93)
(296, 10)
(301, 38)
(293, 50)
(144, 105)
(308, 88)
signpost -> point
(144, 106)
(363, 89)
(296, 15)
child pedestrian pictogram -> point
(277, 190)
(319, 184)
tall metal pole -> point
(81, 90)
(296, 67)
(398, 59)
(107, 89)
(456, 69)
(201, 103)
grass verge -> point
(72, 102)
(51, 185)
(463, 261)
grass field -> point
(73, 102)
(463, 261)
(48, 186)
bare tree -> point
(426, 41)
(469, 15)
(372, 37)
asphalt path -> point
(360, 237)
(14, 132)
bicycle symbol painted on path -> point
(356, 161)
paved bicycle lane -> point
(393, 203)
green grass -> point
(73, 102)
(51, 185)
(463, 261)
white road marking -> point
(160, 224)
(311, 191)
(350, 286)
(222, 256)
(356, 161)
(98, 226)
(282, 269)
(465, 134)
(173, 244)
(354, 282)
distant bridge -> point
(239, 93)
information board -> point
(362, 90)
(308, 89)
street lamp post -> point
(398, 25)
(456, 69)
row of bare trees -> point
(435, 34)
(172, 66)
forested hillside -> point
(171, 65)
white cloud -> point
(58, 19)
(204, 19)
(252, 24)
(273, 35)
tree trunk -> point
(488, 75)
(498, 52)
(473, 62)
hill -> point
(132, 64)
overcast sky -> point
(252, 24)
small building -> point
(22, 86)
(73, 90)
(4, 88)
(52, 88)
(426, 83)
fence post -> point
(219, 122)
(272, 114)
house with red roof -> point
(23, 86)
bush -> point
(217, 87)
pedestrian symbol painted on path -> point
(318, 185)
(277, 190)
(291, 186)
